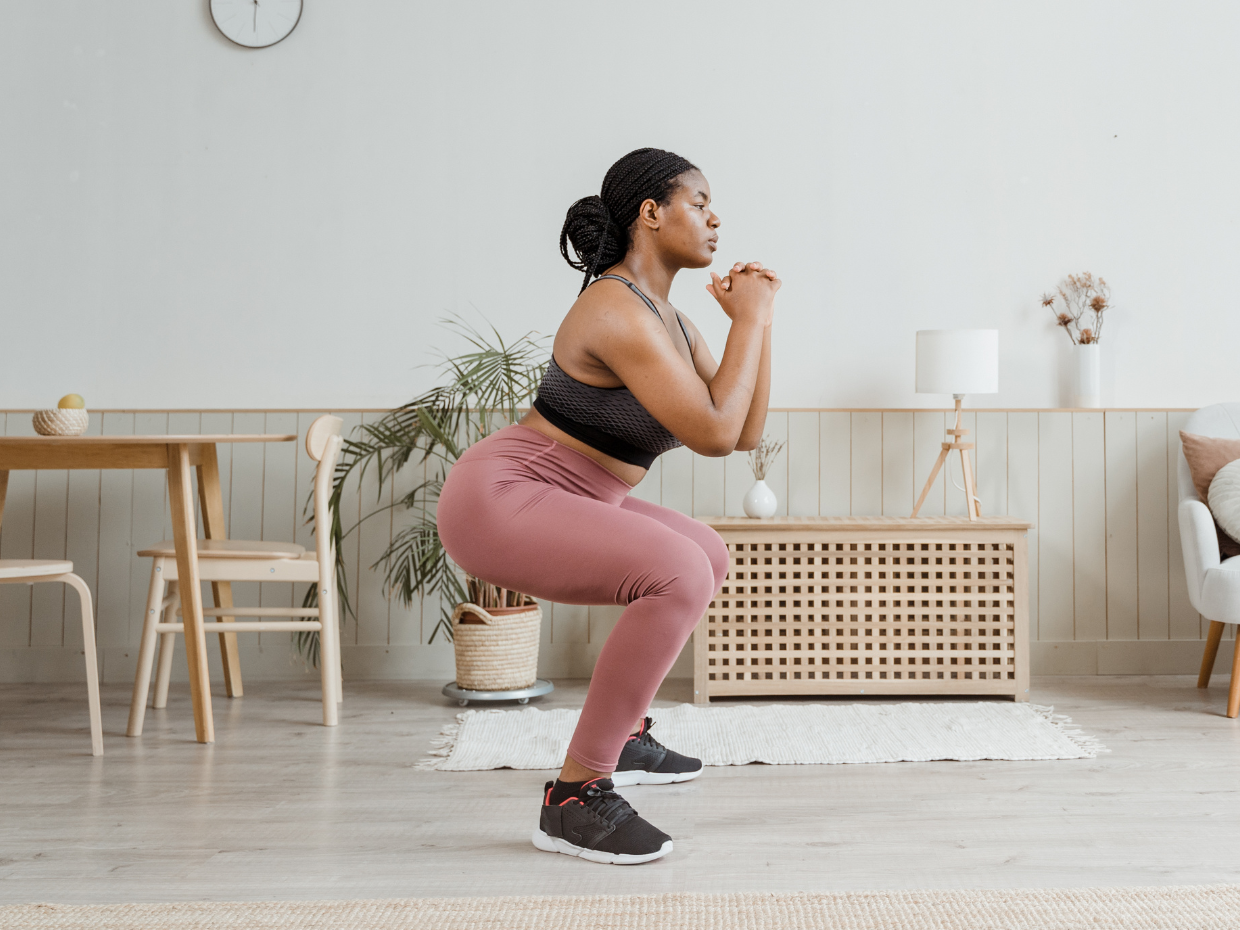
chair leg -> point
(329, 660)
(167, 644)
(1233, 693)
(327, 669)
(146, 651)
(331, 627)
(339, 666)
(1207, 661)
(92, 663)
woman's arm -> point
(707, 367)
(755, 422)
(708, 416)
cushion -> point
(1205, 456)
(1224, 499)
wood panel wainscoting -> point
(1106, 580)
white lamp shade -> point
(957, 361)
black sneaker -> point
(646, 761)
(600, 826)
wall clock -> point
(255, 23)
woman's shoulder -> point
(608, 302)
(608, 291)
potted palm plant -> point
(495, 630)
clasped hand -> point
(747, 291)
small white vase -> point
(760, 501)
(1088, 375)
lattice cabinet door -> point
(867, 605)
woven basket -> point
(499, 654)
(61, 422)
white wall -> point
(187, 224)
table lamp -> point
(957, 362)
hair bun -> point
(598, 226)
(598, 241)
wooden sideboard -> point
(867, 605)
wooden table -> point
(867, 605)
(177, 454)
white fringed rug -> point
(780, 734)
(1192, 907)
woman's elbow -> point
(711, 450)
(726, 444)
(711, 446)
(717, 440)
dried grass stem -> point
(763, 457)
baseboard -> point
(1132, 657)
(576, 660)
(29, 664)
(278, 662)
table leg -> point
(4, 489)
(184, 534)
(212, 502)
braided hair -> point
(598, 225)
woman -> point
(542, 506)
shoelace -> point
(645, 739)
(607, 804)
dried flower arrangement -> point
(763, 457)
(1076, 296)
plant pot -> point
(496, 648)
(760, 501)
(1088, 375)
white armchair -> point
(1213, 583)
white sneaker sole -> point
(553, 845)
(638, 777)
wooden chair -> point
(36, 571)
(251, 560)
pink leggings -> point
(525, 512)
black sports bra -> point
(610, 420)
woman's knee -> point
(694, 584)
(717, 551)
(681, 574)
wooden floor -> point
(280, 807)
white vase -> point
(760, 501)
(1088, 376)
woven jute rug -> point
(780, 734)
(1201, 907)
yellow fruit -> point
(72, 402)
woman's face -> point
(685, 228)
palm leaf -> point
(483, 389)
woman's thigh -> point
(706, 538)
(552, 544)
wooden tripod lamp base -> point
(956, 443)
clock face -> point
(255, 23)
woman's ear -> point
(648, 214)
